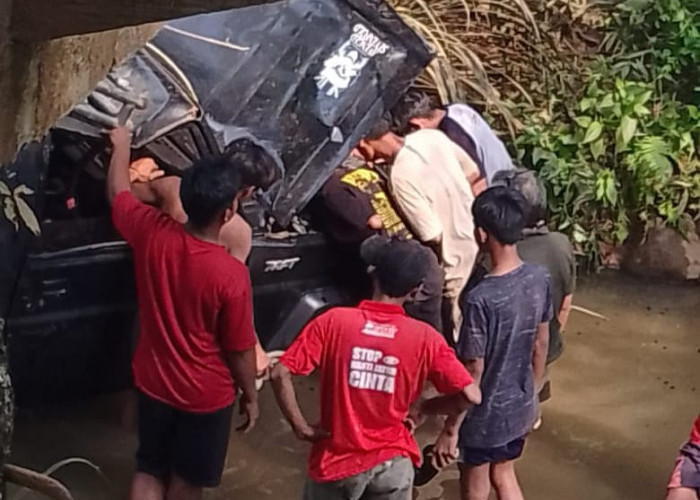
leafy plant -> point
(658, 41)
(618, 156)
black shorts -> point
(481, 456)
(190, 445)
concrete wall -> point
(41, 81)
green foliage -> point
(658, 41)
(618, 155)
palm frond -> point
(496, 52)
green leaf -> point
(621, 87)
(600, 189)
(586, 103)
(641, 110)
(537, 155)
(643, 98)
(583, 121)
(27, 215)
(611, 191)
(607, 102)
(621, 231)
(635, 5)
(595, 129)
(568, 140)
(625, 132)
(598, 148)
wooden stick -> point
(36, 481)
(589, 312)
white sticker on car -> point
(343, 67)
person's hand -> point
(415, 417)
(120, 137)
(375, 222)
(445, 450)
(251, 410)
(144, 170)
(312, 433)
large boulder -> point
(664, 253)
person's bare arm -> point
(454, 404)
(564, 311)
(478, 185)
(287, 400)
(237, 236)
(118, 174)
(445, 451)
(242, 366)
(144, 193)
(539, 356)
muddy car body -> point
(303, 78)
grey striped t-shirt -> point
(501, 316)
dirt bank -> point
(625, 394)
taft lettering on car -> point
(272, 266)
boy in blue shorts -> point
(503, 344)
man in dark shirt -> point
(503, 344)
(356, 206)
(353, 205)
(550, 249)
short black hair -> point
(527, 183)
(208, 188)
(501, 212)
(413, 104)
(399, 266)
(381, 127)
(256, 166)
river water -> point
(625, 394)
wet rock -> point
(663, 253)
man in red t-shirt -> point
(373, 361)
(196, 334)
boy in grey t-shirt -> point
(503, 344)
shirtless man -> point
(151, 186)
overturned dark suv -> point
(304, 78)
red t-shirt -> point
(194, 304)
(373, 361)
(695, 433)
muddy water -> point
(624, 396)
